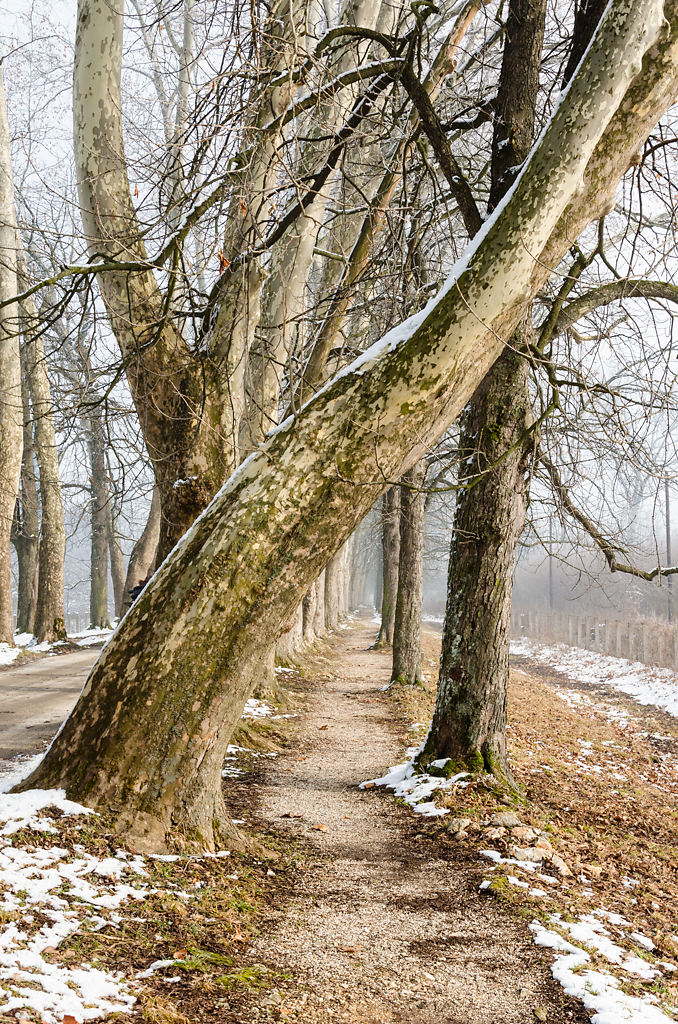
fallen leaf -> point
(321, 727)
(320, 828)
(180, 954)
(540, 1013)
(239, 937)
(370, 785)
(70, 1019)
(350, 949)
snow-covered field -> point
(644, 683)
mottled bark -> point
(11, 405)
(147, 738)
(390, 554)
(142, 558)
(189, 404)
(469, 722)
(407, 654)
(26, 527)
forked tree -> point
(147, 738)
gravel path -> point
(385, 925)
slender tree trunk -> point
(407, 655)
(309, 610)
(332, 571)
(116, 558)
(142, 558)
(469, 722)
(147, 737)
(390, 555)
(26, 531)
(49, 615)
(99, 511)
(319, 617)
(11, 405)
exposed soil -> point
(386, 922)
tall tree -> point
(148, 735)
(11, 404)
(469, 722)
(407, 654)
(49, 614)
(390, 555)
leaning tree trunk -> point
(142, 558)
(11, 405)
(469, 722)
(26, 527)
(390, 554)
(147, 737)
(49, 615)
(407, 655)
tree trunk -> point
(147, 737)
(332, 571)
(26, 531)
(142, 559)
(49, 615)
(116, 558)
(469, 722)
(319, 618)
(309, 610)
(11, 405)
(99, 500)
(390, 554)
(407, 653)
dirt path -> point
(386, 925)
(35, 698)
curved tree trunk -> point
(407, 655)
(390, 555)
(11, 405)
(147, 737)
(142, 558)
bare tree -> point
(148, 735)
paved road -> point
(35, 699)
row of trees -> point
(307, 178)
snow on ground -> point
(599, 990)
(27, 642)
(47, 895)
(89, 637)
(577, 941)
(417, 789)
(646, 684)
